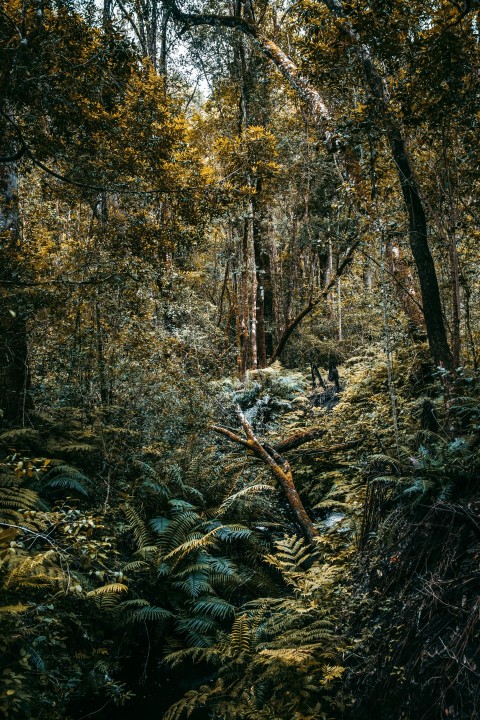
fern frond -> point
(331, 672)
(159, 524)
(195, 543)
(177, 530)
(197, 624)
(335, 504)
(215, 607)
(21, 439)
(302, 656)
(240, 636)
(108, 589)
(194, 585)
(195, 654)
(16, 498)
(246, 491)
(68, 483)
(158, 488)
(291, 553)
(191, 700)
(13, 609)
(36, 571)
(150, 613)
(180, 506)
(231, 533)
(142, 536)
(135, 566)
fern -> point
(240, 637)
(248, 491)
(215, 607)
(231, 533)
(292, 553)
(110, 588)
(194, 585)
(140, 531)
(139, 610)
(191, 700)
(159, 524)
(195, 542)
(35, 571)
(177, 530)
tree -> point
(376, 86)
(128, 143)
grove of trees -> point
(205, 209)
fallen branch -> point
(279, 467)
(298, 439)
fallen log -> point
(279, 467)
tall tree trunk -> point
(162, 59)
(107, 13)
(263, 299)
(431, 302)
(453, 255)
(253, 288)
(339, 310)
(243, 304)
(14, 373)
(101, 364)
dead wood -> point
(298, 439)
(279, 467)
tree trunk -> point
(313, 302)
(432, 306)
(263, 277)
(14, 373)
(453, 255)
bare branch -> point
(312, 304)
(279, 467)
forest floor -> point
(173, 578)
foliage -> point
(170, 210)
(277, 659)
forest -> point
(239, 359)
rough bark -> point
(431, 302)
(263, 277)
(280, 469)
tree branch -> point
(267, 47)
(279, 467)
(312, 304)
(294, 441)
